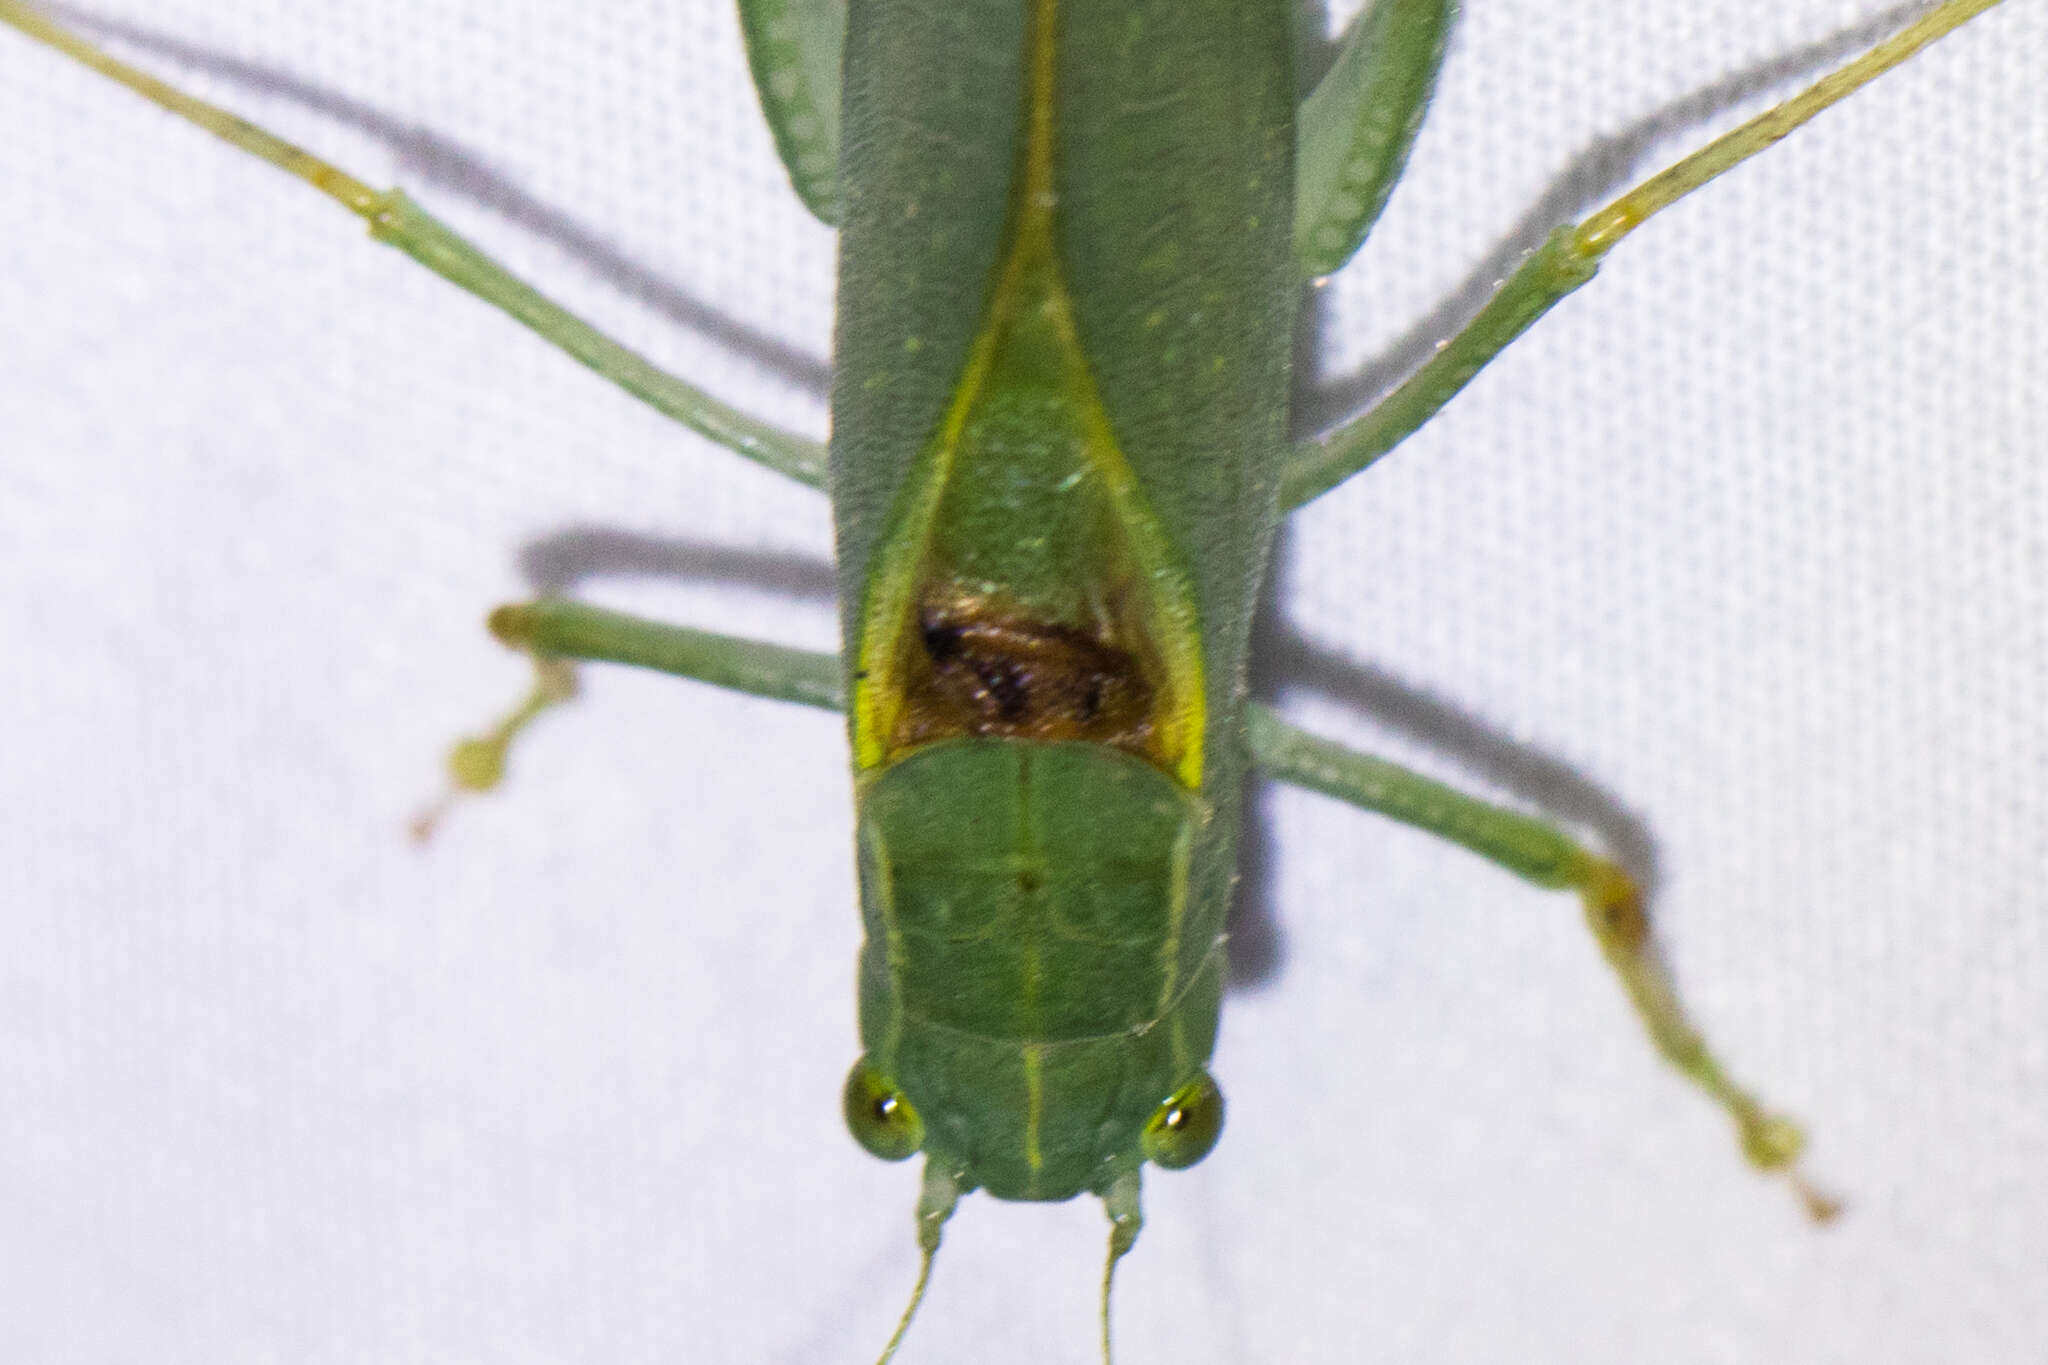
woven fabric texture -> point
(1739, 561)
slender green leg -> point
(559, 629)
(556, 632)
(1355, 129)
(1357, 126)
(1546, 856)
(397, 221)
(796, 49)
(477, 762)
(1571, 256)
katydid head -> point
(1179, 1132)
(1037, 1000)
(992, 1149)
(1041, 978)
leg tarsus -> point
(556, 633)
(1614, 912)
(1540, 853)
(477, 764)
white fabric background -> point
(1741, 558)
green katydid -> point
(1133, 613)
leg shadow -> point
(1604, 169)
(446, 166)
(1284, 663)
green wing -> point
(1353, 136)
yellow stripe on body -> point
(1172, 621)
(1034, 1105)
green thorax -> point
(1039, 971)
(1038, 892)
(1065, 308)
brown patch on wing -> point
(982, 670)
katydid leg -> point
(476, 763)
(1357, 126)
(559, 633)
(553, 628)
(1542, 854)
(795, 49)
(397, 221)
(1569, 258)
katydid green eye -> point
(1182, 1130)
(880, 1117)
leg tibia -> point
(1569, 258)
(1548, 857)
(558, 629)
(555, 632)
(1614, 912)
(397, 221)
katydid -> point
(1073, 239)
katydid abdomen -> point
(1073, 233)
(1066, 294)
